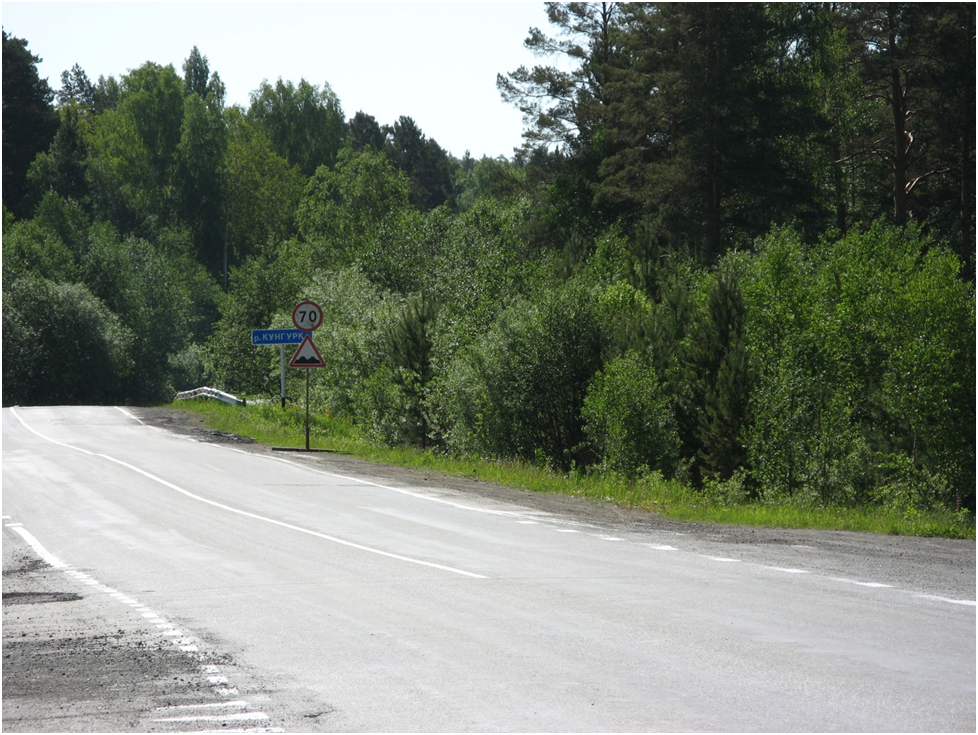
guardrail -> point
(210, 393)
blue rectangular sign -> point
(277, 336)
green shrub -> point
(628, 418)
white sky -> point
(434, 62)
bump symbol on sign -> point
(307, 356)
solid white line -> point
(247, 514)
(970, 603)
(787, 570)
(40, 550)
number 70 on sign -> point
(307, 316)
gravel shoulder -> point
(75, 661)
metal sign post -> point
(307, 316)
(280, 337)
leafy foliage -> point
(61, 345)
(519, 390)
(303, 121)
(628, 417)
(29, 120)
(668, 285)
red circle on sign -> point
(307, 316)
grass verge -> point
(268, 424)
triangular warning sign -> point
(307, 356)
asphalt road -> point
(360, 602)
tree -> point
(519, 390)
(423, 161)
(263, 191)
(343, 209)
(569, 109)
(29, 120)
(365, 131)
(565, 108)
(200, 178)
(304, 123)
(628, 417)
(198, 79)
(707, 114)
(63, 168)
(410, 345)
(61, 345)
(916, 63)
(138, 141)
(76, 89)
(720, 379)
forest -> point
(737, 250)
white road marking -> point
(183, 643)
(40, 550)
(234, 717)
(787, 570)
(937, 598)
(861, 584)
(255, 516)
(401, 490)
(662, 548)
(722, 558)
(238, 703)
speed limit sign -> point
(307, 316)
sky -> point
(434, 62)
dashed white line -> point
(177, 638)
(233, 717)
(238, 703)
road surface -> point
(301, 596)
